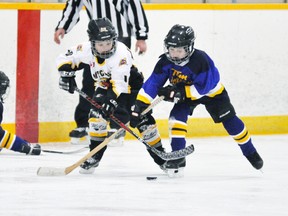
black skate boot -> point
(78, 134)
(31, 149)
(88, 167)
(255, 160)
(175, 168)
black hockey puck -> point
(151, 178)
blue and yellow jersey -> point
(199, 76)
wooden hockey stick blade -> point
(65, 152)
(52, 171)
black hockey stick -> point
(52, 171)
(65, 152)
(165, 156)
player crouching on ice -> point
(9, 140)
(194, 80)
(111, 65)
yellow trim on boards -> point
(197, 127)
(154, 6)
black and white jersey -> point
(114, 71)
(127, 16)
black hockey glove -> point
(172, 93)
(67, 81)
(136, 111)
(110, 104)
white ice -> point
(218, 181)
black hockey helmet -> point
(4, 85)
(180, 36)
(102, 30)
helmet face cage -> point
(180, 36)
(4, 86)
(102, 30)
(103, 55)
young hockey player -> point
(129, 19)
(115, 76)
(194, 80)
(9, 140)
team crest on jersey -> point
(123, 62)
(179, 77)
(101, 75)
(69, 53)
(79, 47)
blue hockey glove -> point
(136, 111)
(172, 93)
(67, 81)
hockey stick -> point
(65, 152)
(52, 171)
(165, 156)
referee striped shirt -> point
(127, 16)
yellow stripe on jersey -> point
(66, 63)
(216, 91)
(143, 99)
(114, 87)
(243, 137)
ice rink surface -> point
(218, 181)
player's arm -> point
(70, 15)
(67, 64)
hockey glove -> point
(136, 111)
(172, 93)
(67, 81)
(110, 104)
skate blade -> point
(51, 171)
(175, 173)
(85, 172)
(79, 141)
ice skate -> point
(78, 135)
(88, 167)
(255, 160)
(31, 149)
(175, 168)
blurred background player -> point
(111, 66)
(9, 140)
(128, 17)
(194, 80)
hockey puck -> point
(151, 178)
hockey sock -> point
(178, 143)
(99, 154)
(236, 128)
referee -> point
(127, 16)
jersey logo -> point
(123, 62)
(177, 77)
(69, 53)
(101, 75)
(79, 47)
